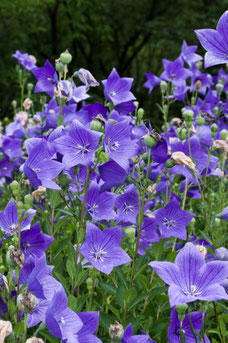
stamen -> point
(169, 223)
(98, 255)
(83, 149)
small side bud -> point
(200, 120)
(15, 187)
(28, 201)
(20, 207)
(219, 87)
(130, 234)
(188, 115)
(182, 133)
(89, 283)
(59, 66)
(96, 125)
(169, 163)
(224, 134)
(150, 141)
(140, 113)
(14, 104)
(163, 86)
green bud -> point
(136, 103)
(14, 104)
(64, 180)
(188, 115)
(20, 207)
(165, 108)
(193, 100)
(199, 65)
(163, 86)
(1, 156)
(204, 306)
(181, 308)
(200, 120)
(188, 124)
(219, 87)
(214, 129)
(224, 134)
(15, 187)
(89, 283)
(65, 57)
(96, 125)
(150, 141)
(28, 201)
(130, 233)
(216, 110)
(182, 133)
(59, 67)
(2, 269)
(140, 113)
(29, 86)
(169, 163)
(217, 222)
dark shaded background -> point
(131, 35)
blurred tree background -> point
(131, 35)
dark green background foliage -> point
(131, 35)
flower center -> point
(112, 146)
(92, 208)
(13, 228)
(36, 170)
(172, 76)
(113, 93)
(193, 291)
(127, 208)
(62, 320)
(169, 223)
(98, 255)
(83, 149)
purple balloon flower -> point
(175, 71)
(174, 327)
(26, 60)
(128, 336)
(215, 42)
(188, 53)
(78, 147)
(190, 278)
(172, 220)
(117, 89)
(102, 248)
(152, 81)
(9, 220)
(127, 205)
(47, 79)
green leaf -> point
(81, 301)
(144, 282)
(138, 299)
(70, 269)
(72, 302)
(81, 278)
(171, 256)
(18, 329)
(48, 336)
(105, 321)
(71, 251)
(109, 288)
(54, 197)
(122, 276)
(130, 294)
(115, 311)
(63, 281)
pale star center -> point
(169, 223)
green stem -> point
(25, 326)
(191, 326)
(189, 144)
(217, 318)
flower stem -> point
(84, 200)
(219, 326)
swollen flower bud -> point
(188, 115)
(182, 133)
(200, 120)
(163, 86)
(169, 163)
(14, 104)
(96, 125)
(214, 129)
(64, 180)
(224, 134)
(150, 141)
(219, 87)
(15, 187)
(115, 330)
(221, 254)
(26, 301)
(130, 234)
(29, 86)
(89, 283)
(28, 201)
(181, 310)
(20, 207)
(65, 57)
(140, 113)
(59, 67)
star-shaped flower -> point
(47, 79)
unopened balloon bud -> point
(150, 141)
(89, 283)
(130, 233)
(200, 120)
(59, 67)
(96, 125)
(26, 301)
(20, 207)
(221, 254)
(219, 87)
(30, 86)
(199, 65)
(181, 308)
(140, 113)
(64, 180)
(216, 110)
(224, 134)
(65, 57)
(15, 187)
(182, 133)
(163, 86)
(170, 163)
(193, 100)
(28, 201)
(188, 115)
(214, 129)
(136, 103)
(165, 109)
(14, 104)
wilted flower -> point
(34, 340)
(87, 78)
(5, 330)
(22, 116)
(115, 330)
(38, 193)
(201, 249)
(27, 104)
(180, 158)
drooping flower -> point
(215, 42)
(172, 220)
(9, 220)
(224, 214)
(117, 89)
(47, 79)
(174, 327)
(128, 336)
(87, 78)
(61, 321)
(26, 60)
(79, 94)
(102, 248)
(190, 278)
(99, 205)
(78, 147)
